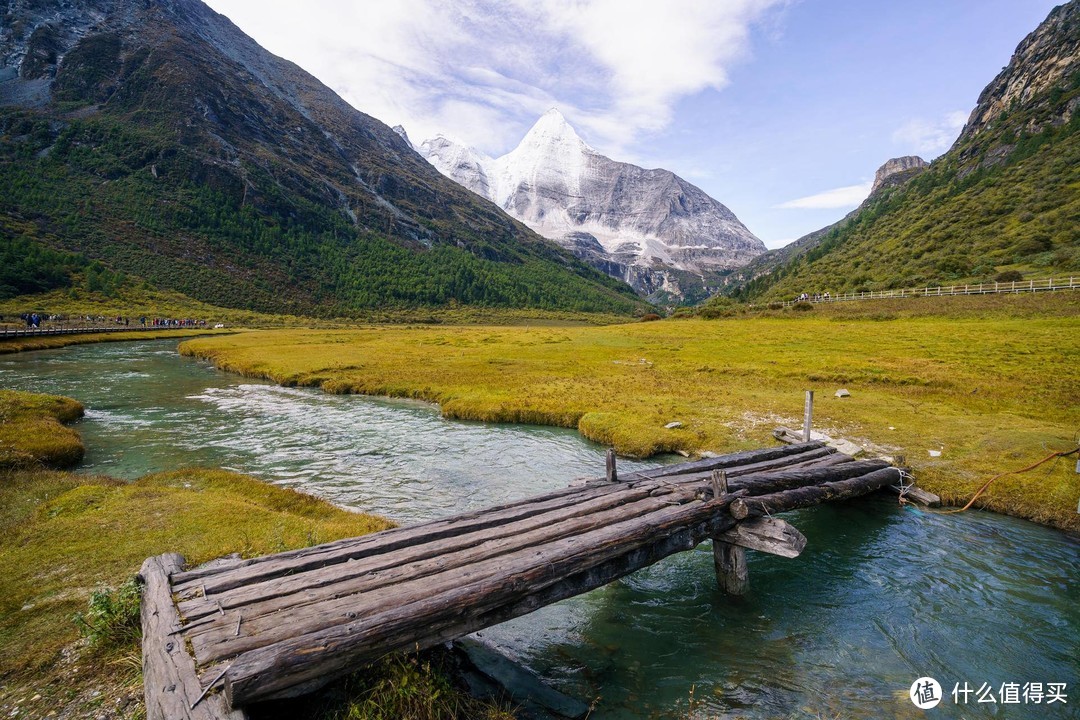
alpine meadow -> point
(539, 360)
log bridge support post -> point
(729, 559)
(764, 534)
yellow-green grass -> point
(65, 535)
(991, 391)
(32, 431)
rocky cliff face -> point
(898, 170)
(650, 228)
(1044, 59)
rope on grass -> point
(981, 490)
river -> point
(882, 595)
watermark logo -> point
(925, 693)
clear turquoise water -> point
(881, 595)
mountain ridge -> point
(259, 185)
(648, 226)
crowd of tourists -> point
(35, 320)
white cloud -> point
(484, 70)
(930, 138)
(848, 196)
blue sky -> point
(780, 109)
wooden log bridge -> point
(285, 624)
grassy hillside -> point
(992, 385)
(1006, 197)
(82, 209)
(944, 228)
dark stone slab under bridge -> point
(239, 631)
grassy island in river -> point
(990, 384)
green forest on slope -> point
(1005, 199)
(83, 191)
(160, 158)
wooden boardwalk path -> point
(16, 333)
(984, 288)
(283, 625)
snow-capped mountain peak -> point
(552, 130)
(644, 226)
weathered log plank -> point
(190, 584)
(313, 609)
(729, 461)
(808, 496)
(265, 589)
(450, 553)
(362, 592)
(292, 622)
(287, 563)
(336, 588)
(769, 535)
(684, 471)
(777, 480)
(186, 580)
(170, 683)
(447, 606)
(268, 670)
(916, 494)
(576, 584)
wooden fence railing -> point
(1021, 286)
(6, 333)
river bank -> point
(72, 544)
(962, 398)
(52, 342)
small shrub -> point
(803, 306)
(775, 306)
(1009, 276)
(719, 306)
(650, 317)
(412, 687)
(112, 617)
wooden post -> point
(612, 473)
(719, 483)
(730, 562)
(808, 414)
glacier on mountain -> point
(650, 228)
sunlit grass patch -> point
(32, 431)
(67, 536)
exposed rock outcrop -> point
(1041, 61)
(897, 171)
